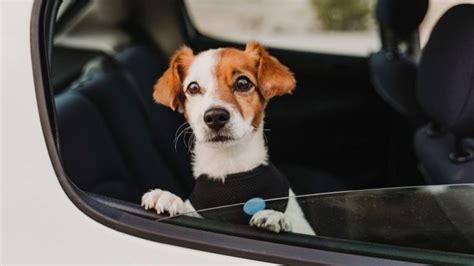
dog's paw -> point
(271, 220)
(163, 201)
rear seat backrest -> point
(145, 67)
(89, 155)
(445, 91)
(115, 99)
(125, 137)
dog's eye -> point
(193, 88)
(242, 84)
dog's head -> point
(223, 92)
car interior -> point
(390, 119)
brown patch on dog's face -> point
(232, 65)
(268, 77)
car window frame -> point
(41, 31)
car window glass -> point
(326, 26)
(405, 217)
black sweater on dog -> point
(264, 181)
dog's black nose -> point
(216, 118)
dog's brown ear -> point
(167, 90)
(273, 78)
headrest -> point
(445, 88)
(401, 16)
(394, 80)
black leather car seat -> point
(90, 157)
(109, 143)
(445, 92)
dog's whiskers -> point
(265, 137)
(188, 132)
(179, 128)
(191, 140)
(180, 134)
(188, 143)
(182, 125)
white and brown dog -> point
(222, 94)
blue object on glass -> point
(254, 205)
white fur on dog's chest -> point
(218, 161)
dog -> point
(222, 94)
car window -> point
(325, 26)
(437, 218)
(115, 143)
(436, 9)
